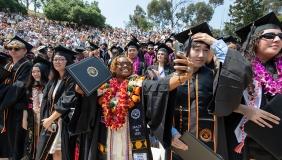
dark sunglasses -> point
(150, 49)
(14, 48)
(271, 35)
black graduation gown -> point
(157, 114)
(252, 149)
(65, 99)
(231, 80)
(13, 101)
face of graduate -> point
(132, 52)
(59, 63)
(150, 49)
(36, 74)
(199, 54)
(16, 50)
(268, 46)
(124, 68)
(161, 56)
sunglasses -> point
(271, 35)
(14, 48)
(150, 49)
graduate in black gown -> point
(13, 102)
(149, 103)
(244, 89)
(194, 96)
(59, 99)
(161, 67)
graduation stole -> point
(8, 81)
(205, 126)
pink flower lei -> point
(271, 85)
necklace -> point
(265, 79)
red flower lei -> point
(115, 109)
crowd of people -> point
(225, 93)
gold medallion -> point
(92, 71)
(206, 135)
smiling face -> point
(269, 45)
(36, 74)
(59, 63)
(123, 68)
(199, 54)
(132, 52)
(161, 57)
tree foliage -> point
(243, 13)
(139, 19)
(177, 12)
(12, 6)
(74, 11)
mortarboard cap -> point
(27, 45)
(169, 40)
(229, 39)
(80, 49)
(165, 48)
(92, 46)
(134, 39)
(41, 60)
(42, 49)
(66, 52)
(132, 44)
(269, 21)
(182, 37)
(150, 43)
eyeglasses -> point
(14, 48)
(59, 60)
(150, 49)
(271, 35)
(124, 64)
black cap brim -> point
(66, 52)
(164, 46)
(182, 37)
(27, 45)
(270, 18)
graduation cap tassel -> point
(239, 147)
(245, 46)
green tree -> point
(139, 19)
(196, 13)
(75, 11)
(12, 6)
(243, 13)
(159, 11)
(174, 12)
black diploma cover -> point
(89, 74)
(196, 149)
(269, 138)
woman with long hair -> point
(250, 89)
(35, 85)
(59, 99)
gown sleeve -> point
(159, 109)
(68, 99)
(11, 94)
(232, 79)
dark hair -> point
(44, 72)
(251, 50)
